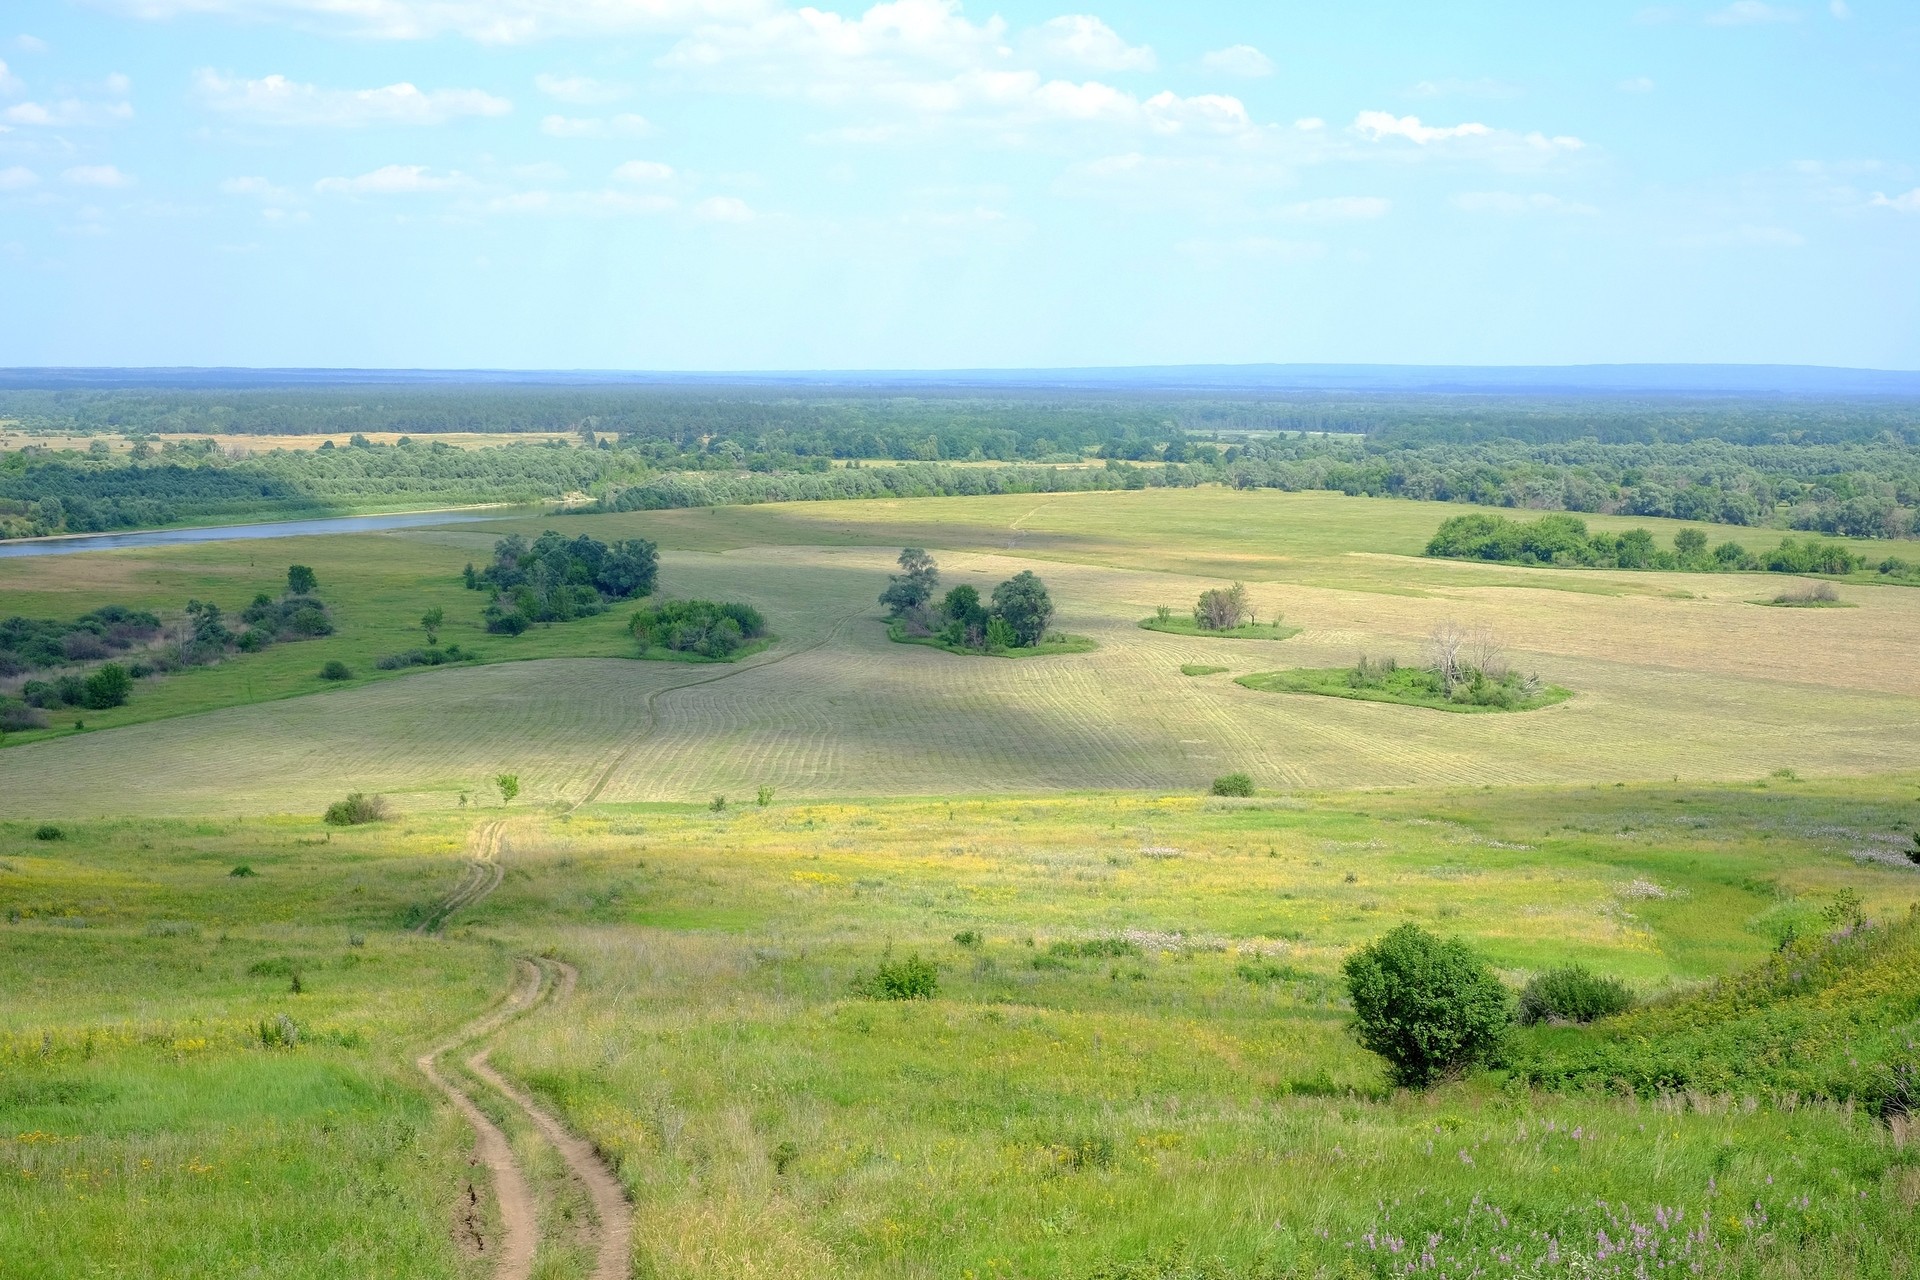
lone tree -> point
(509, 784)
(914, 585)
(1429, 1006)
(1022, 601)
(430, 622)
(301, 580)
(1222, 608)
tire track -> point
(625, 753)
(482, 876)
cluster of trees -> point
(700, 627)
(1565, 540)
(556, 578)
(29, 644)
(1014, 617)
(106, 686)
(1223, 608)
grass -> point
(660, 653)
(1200, 669)
(1819, 595)
(1179, 626)
(1408, 686)
(1053, 644)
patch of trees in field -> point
(28, 644)
(1015, 616)
(557, 579)
(1465, 669)
(697, 628)
(1565, 541)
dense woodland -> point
(1831, 466)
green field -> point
(1136, 1065)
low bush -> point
(1430, 1006)
(47, 831)
(1233, 784)
(1572, 993)
(1094, 949)
(336, 670)
(912, 978)
(358, 809)
(434, 657)
(702, 628)
(18, 716)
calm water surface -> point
(238, 532)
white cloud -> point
(18, 178)
(277, 100)
(257, 189)
(1744, 237)
(1086, 41)
(638, 171)
(1636, 84)
(118, 85)
(623, 126)
(590, 204)
(1238, 60)
(1471, 139)
(487, 21)
(1484, 87)
(1250, 250)
(394, 180)
(723, 209)
(579, 91)
(1839, 9)
(1376, 125)
(1514, 205)
(97, 175)
(888, 34)
(30, 44)
(1337, 209)
(9, 82)
(1908, 203)
(67, 113)
(1310, 124)
(1747, 13)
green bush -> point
(1429, 1006)
(701, 627)
(48, 831)
(910, 979)
(336, 670)
(1233, 784)
(357, 810)
(108, 687)
(1572, 993)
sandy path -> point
(536, 983)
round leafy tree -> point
(1430, 1006)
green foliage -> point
(1233, 784)
(107, 687)
(358, 809)
(1431, 1007)
(1200, 669)
(30, 643)
(1222, 608)
(508, 785)
(1572, 993)
(242, 872)
(431, 621)
(301, 580)
(334, 669)
(969, 938)
(1022, 602)
(48, 831)
(910, 978)
(764, 796)
(556, 579)
(1563, 540)
(913, 586)
(1387, 681)
(435, 657)
(699, 627)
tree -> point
(1429, 1006)
(1022, 601)
(1222, 608)
(509, 784)
(110, 686)
(430, 622)
(1444, 646)
(1690, 545)
(914, 586)
(301, 580)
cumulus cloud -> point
(1908, 203)
(487, 21)
(588, 204)
(395, 180)
(10, 84)
(641, 171)
(1747, 13)
(1839, 9)
(723, 209)
(1471, 138)
(1636, 84)
(256, 189)
(1512, 204)
(1086, 41)
(1337, 209)
(18, 178)
(97, 175)
(30, 44)
(1376, 125)
(276, 100)
(1238, 60)
(1484, 87)
(622, 126)
(579, 91)
(67, 113)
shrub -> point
(910, 979)
(967, 938)
(15, 716)
(48, 831)
(509, 785)
(358, 809)
(1233, 784)
(700, 627)
(301, 580)
(336, 670)
(1572, 993)
(1429, 1006)
(242, 872)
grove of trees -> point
(1015, 616)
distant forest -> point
(1845, 466)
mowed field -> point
(1674, 675)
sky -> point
(754, 185)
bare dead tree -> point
(1444, 645)
(1221, 608)
(1486, 653)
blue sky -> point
(746, 184)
